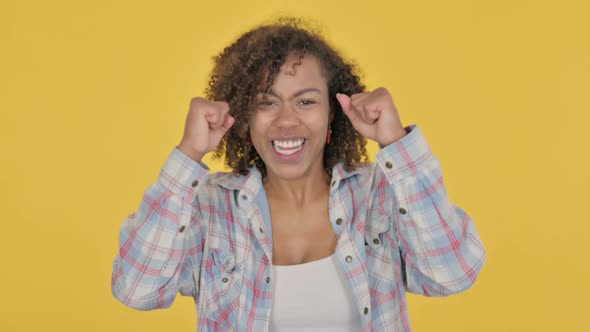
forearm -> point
(155, 240)
(438, 242)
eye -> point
(266, 103)
(307, 102)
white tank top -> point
(313, 296)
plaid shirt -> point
(209, 236)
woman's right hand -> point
(206, 123)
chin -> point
(287, 172)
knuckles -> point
(361, 100)
(382, 91)
(200, 103)
(197, 100)
(222, 105)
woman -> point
(302, 234)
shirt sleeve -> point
(440, 249)
(160, 245)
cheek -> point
(254, 126)
(320, 121)
(258, 128)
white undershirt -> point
(313, 296)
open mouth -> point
(289, 146)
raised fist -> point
(374, 115)
(206, 123)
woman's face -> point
(289, 125)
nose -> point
(287, 117)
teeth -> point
(287, 152)
(288, 147)
(288, 143)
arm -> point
(438, 243)
(161, 243)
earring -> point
(329, 138)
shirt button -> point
(195, 183)
(339, 221)
(388, 164)
(225, 280)
(261, 230)
(402, 211)
(366, 310)
(267, 280)
(348, 259)
(376, 241)
(244, 197)
(333, 183)
(181, 229)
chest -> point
(301, 235)
(296, 305)
(236, 278)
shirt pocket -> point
(224, 279)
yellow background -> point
(93, 97)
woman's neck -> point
(299, 191)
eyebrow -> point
(296, 94)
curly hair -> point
(254, 60)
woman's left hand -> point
(373, 114)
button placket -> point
(373, 240)
(254, 218)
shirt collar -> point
(253, 180)
(339, 173)
(235, 181)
